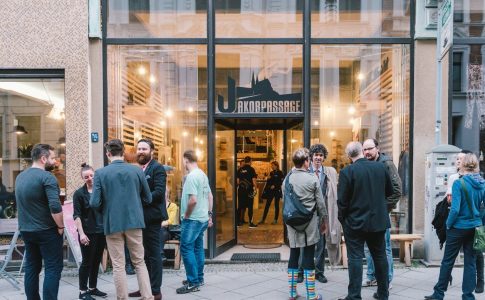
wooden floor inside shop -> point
(265, 235)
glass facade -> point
(245, 80)
(32, 111)
(469, 18)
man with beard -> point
(41, 223)
(372, 153)
(153, 213)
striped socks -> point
(292, 282)
(310, 284)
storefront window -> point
(360, 19)
(160, 93)
(468, 112)
(469, 18)
(361, 92)
(157, 19)
(32, 111)
(259, 79)
(259, 19)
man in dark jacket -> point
(153, 213)
(362, 210)
(372, 152)
(119, 190)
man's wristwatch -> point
(210, 214)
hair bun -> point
(84, 165)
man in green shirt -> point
(196, 216)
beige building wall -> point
(425, 68)
(96, 94)
(52, 34)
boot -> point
(292, 283)
(310, 285)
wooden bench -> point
(177, 257)
(405, 247)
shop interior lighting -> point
(169, 113)
(153, 79)
(332, 133)
(141, 70)
(185, 133)
(19, 130)
(360, 76)
(351, 110)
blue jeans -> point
(370, 263)
(192, 249)
(43, 245)
(455, 239)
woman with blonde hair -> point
(468, 194)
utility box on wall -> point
(440, 164)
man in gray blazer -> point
(119, 190)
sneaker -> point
(251, 225)
(321, 278)
(188, 288)
(300, 277)
(129, 270)
(367, 283)
(97, 293)
(85, 296)
(185, 282)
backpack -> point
(439, 221)
(295, 214)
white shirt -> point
(451, 180)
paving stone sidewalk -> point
(261, 281)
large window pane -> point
(469, 18)
(360, 92)
(157, 18)
(360, 19)
(32, 111)
(259, 19)
(160, 92)
(469, 99)
(258, 76)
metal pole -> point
(438, 80)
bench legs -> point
(405, 252)
(176, 263)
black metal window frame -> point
(307, 41)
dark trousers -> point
(164, 236)
(307, 262)
(92, 255)
(455, 239)
(45, 245)
(153, 260)
(355, 239)
(244, 202)
(319, 257)
(480, 268)
(276, 206)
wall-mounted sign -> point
(445, 27)
(94, 137)
(260, 98)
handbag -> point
(479, 236)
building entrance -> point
(252, 153)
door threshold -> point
(225, 257)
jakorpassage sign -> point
(445, 26)
(259, 99)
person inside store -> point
(302, 239)
(363, 188)
(272, 191)
(246, 187)
(168, 225)
(467, 197)
(327, 177)
(89, 224)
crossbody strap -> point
(467, 197)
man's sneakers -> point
(97, 293)
(188, 288)
(252, 225)
(129, 270)
(137, 294)
(321, 278)
(85, 296)
(367, 283)
(185, 282)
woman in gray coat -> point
(307, 189)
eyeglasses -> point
(368, 149)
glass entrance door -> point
(225, 198)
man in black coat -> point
(153, 214)
(362, 210)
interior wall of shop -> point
(424, 125)
(53, 34)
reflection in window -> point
(361, 92)
(349, 18)
(32, 111)
(259, 19)
(157, 19)
(469, 18)
(260, 72)
(160, 93)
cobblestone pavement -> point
(261, 281)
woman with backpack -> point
(468, 194)
(303, 197)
